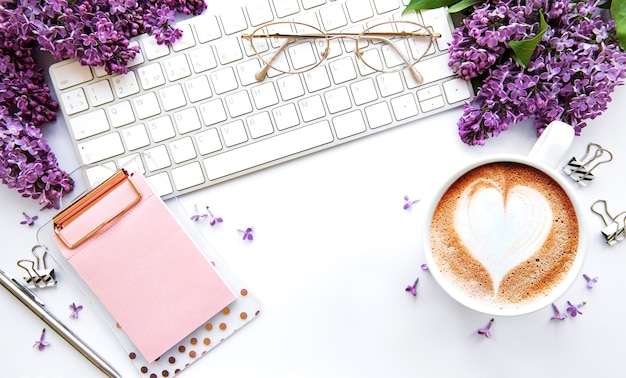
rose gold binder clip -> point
(581, 170)
(38, 275)
(80, 206)
(614, 230)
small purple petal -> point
(557, 313)
(486, 330)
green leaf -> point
(618, 11)
(428, 4)
(523, 50)
(462, 5)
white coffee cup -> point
(511, 246)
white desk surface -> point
(332, 254)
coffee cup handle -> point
(553, 143)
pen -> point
(30, 300)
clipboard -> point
(161, 293)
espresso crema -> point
(504, 233)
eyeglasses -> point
(294, 47)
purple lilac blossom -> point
(97, 33)
(570, 76)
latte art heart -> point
(502, 229)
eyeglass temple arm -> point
(419, 79)
(260, 74)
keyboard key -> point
(228, 50)
(187, 120)
(389, 83)
(363, 91)
(71, 74)
(267, 150)
(99, 173)
(238, 104)
(349, 124)
(74, 101)
(176, 67)
(427, 93)
(212, 112)
(438, 21)
(187, 176)
(207, 28)
(303, 55)
(308, 4)
(151, 76)
(384, 6)
(157, 158)
(146, 105)
(259, 125)
(316, 79)
(264, 95)
(132, 163)
(182, 150)
(172, 97)
(186, 40)
(378, 115)
(359, 10)
(404, 106)
(234, 133)
(234, 21)
(432, 69)
(285, 8)
(198, 88)
(202, 59)
(121, 114)
(342, 70)
(152, 50)
(100, 148)
(259, 13)
(100, 93)
(312, 108)
(161, 183)
(161, 128)
(89, 124)
(456, 90)
(135, 137)
(285, 116)
(224, 80)
(208, 141)
(247, 71)
(125, 85)
(333, 17)
(337, 100)
(290, 87)
(432, 104)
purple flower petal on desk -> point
(75, 309)
(30, 221)
(41, 344)
(486, 330)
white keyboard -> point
(192, 115)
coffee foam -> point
(514, 205)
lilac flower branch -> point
(97, 33)
(569, 77)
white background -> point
(332, 254)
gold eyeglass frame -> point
(367, 34)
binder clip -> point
(614, 226)
(581, 170)
(39, 276)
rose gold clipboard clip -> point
(81, 205)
